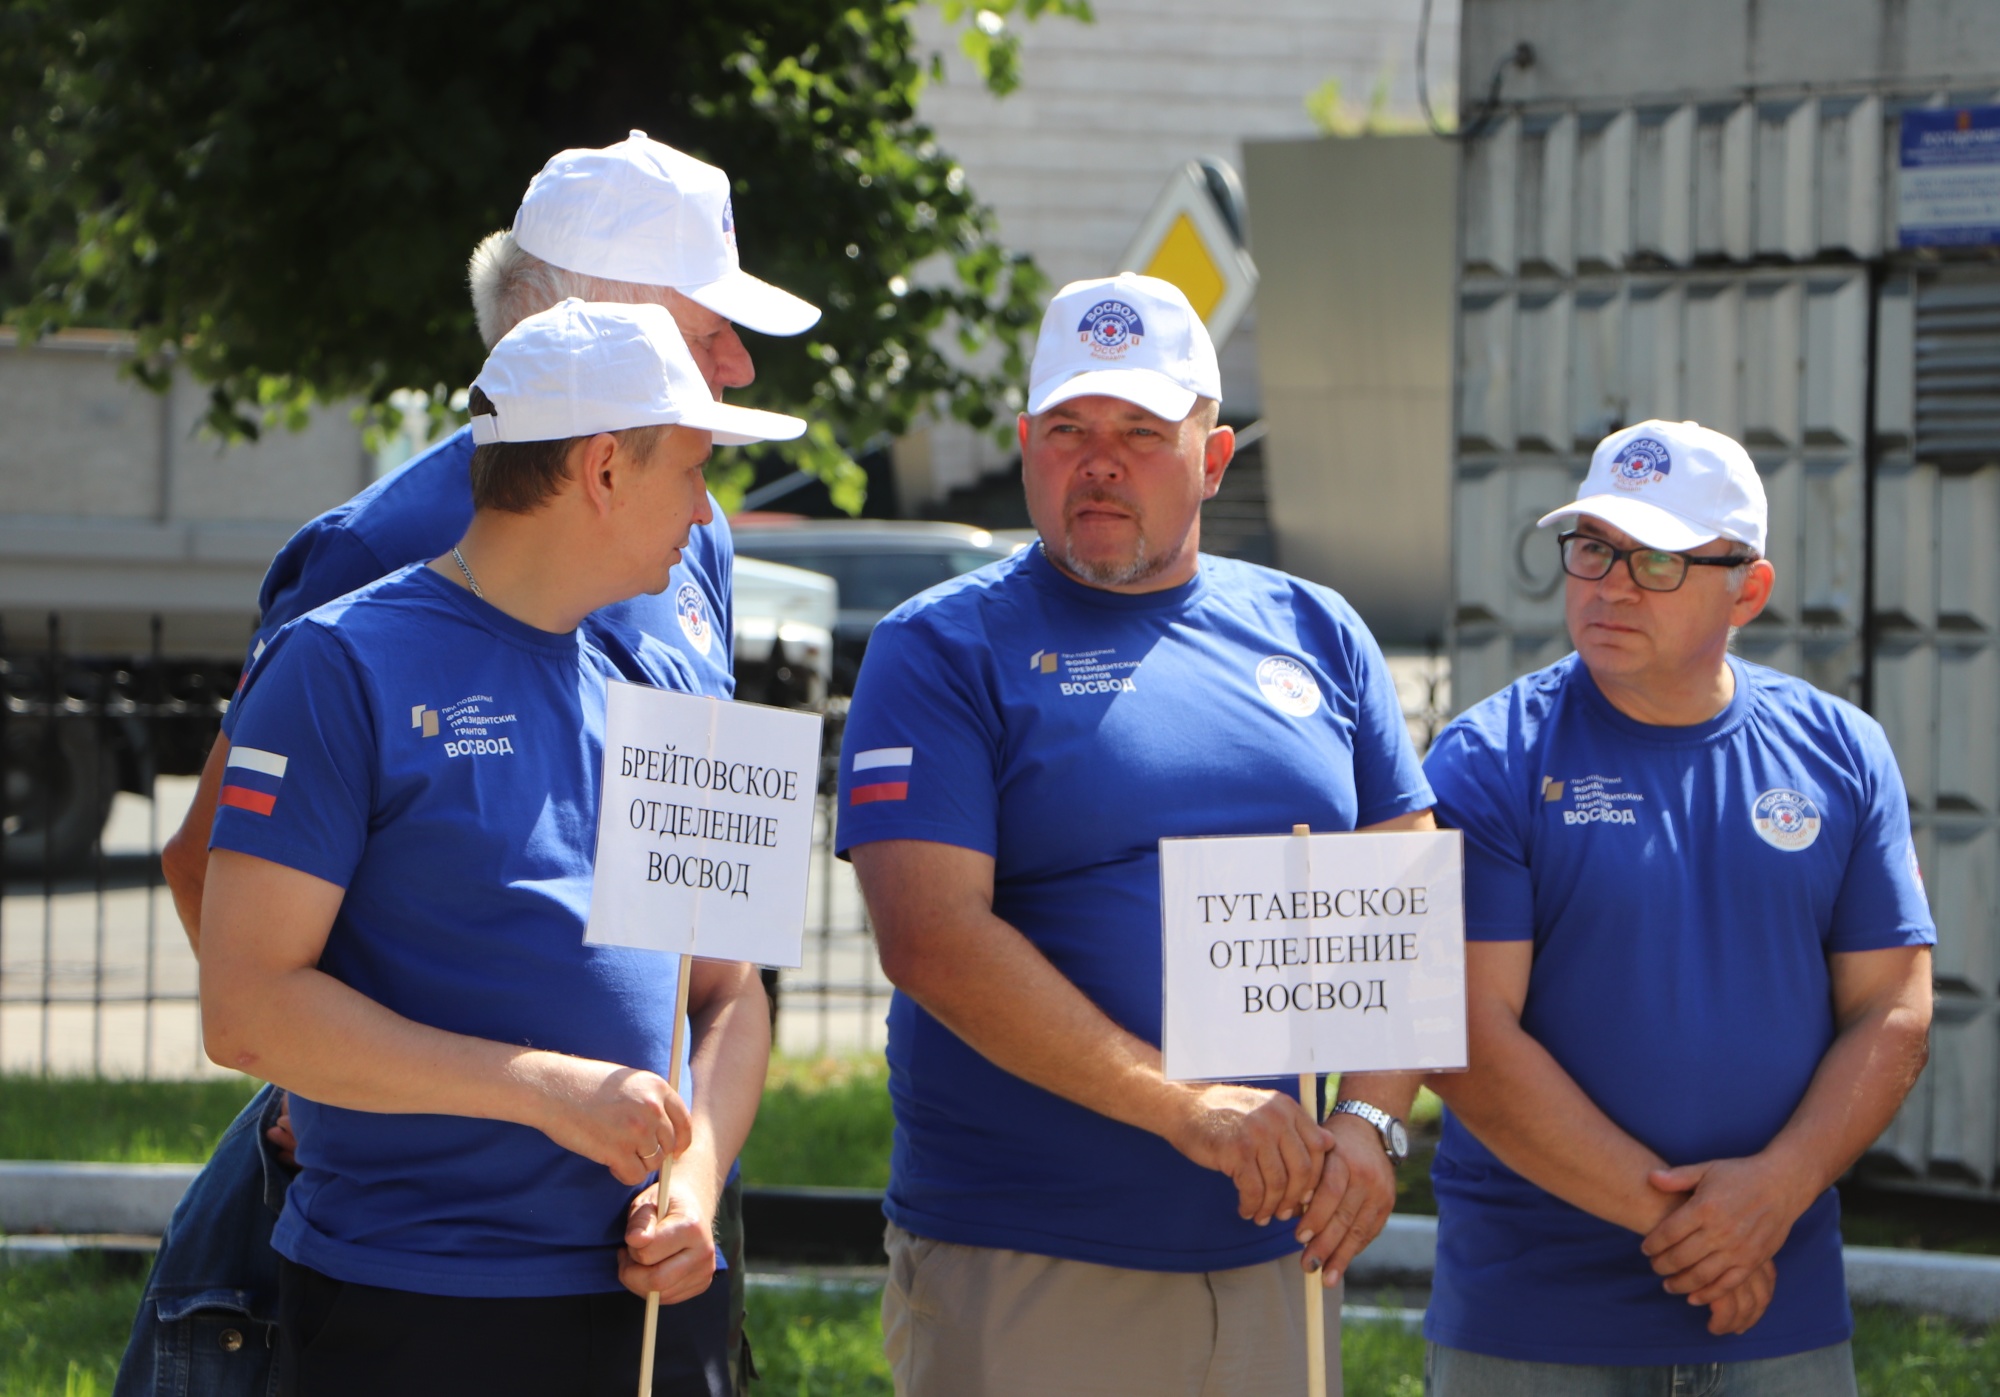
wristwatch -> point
(1395, 1139)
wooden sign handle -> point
(651, 1333)
(1315, 1289)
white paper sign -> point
(705, 831)
(1312, 953)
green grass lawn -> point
(824, 1123)
(63, 1324)
(126, 1122)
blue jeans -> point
(1825, 1372)
(207, 1324)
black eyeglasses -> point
(1653, 569)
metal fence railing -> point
(102, 756)
(95, 974)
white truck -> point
(131, 549)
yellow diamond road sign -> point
(1186, 240)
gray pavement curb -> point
(83, 1198)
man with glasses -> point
(1698, 971)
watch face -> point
(1399, 1141)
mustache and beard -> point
(1142, 562)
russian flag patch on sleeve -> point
(893, 780)
(251, 778)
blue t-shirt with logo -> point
(1683, 887)
(1066, 730)
(419, 510)
(440, 761)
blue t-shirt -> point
(419, 510)
(1066, 730)
(1683, 888)
(440, 761)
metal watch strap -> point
(1377, 1117)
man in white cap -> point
(1062, 1217)
(394, 917)
(635, 222)
(1699, 977)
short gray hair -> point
(509, 284)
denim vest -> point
(208, 1323)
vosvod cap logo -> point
(1110, 328)
(1640, 462)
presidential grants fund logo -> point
(1639, 463)
(476, 731)
(1785, 820)
(1592, 800)
(1082, 673)
(1110, 328)
(1289, 686)
(693, 618)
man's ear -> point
(1758, 580)
(1216, 454)
(590, 468)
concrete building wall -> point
(1072, 161)
(115, 503)
(1355, 238)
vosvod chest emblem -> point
(1785, 819)
(1288, 686)
(692, 613)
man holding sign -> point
(397, 898)
(1698, 971)
(1064, 1218)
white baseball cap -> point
(1126, 336)
(1673, 486)
(645, 213)
(581, 367)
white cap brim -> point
(740, 426)
(746, 300)
(1146, 388)
(1652, 526)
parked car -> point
(784, 634)
(878, 563)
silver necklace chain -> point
(470, 580)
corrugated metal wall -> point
(1937, 679)
(1716, 261)
(1602, 283)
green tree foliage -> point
(283, 193)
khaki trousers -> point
(982, 1322)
